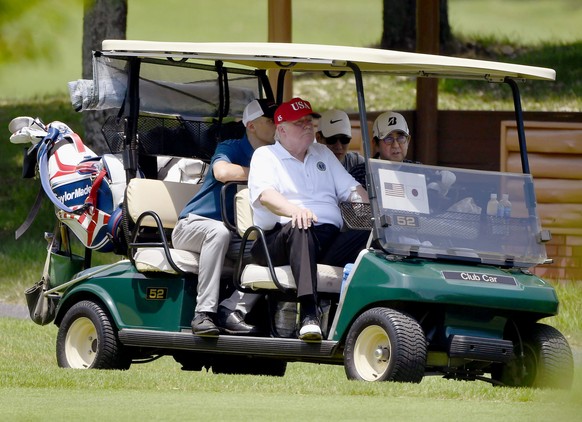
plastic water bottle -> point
(492, 205)
(346, 274)
(355, 197)
(357, 202)
(504, 207)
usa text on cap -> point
(293, 110)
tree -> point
(102, 19)
(399, 32)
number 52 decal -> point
(156, 293)
(406, 220)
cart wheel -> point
(385, 345)
(547, 360)
(87, 339)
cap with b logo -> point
(389, 122)
(293, 110)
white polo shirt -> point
(319, 183)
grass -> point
(176, 20)
(526, 22)
(549, 28)
(33, 387)
(569, 318)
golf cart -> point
(444, 287)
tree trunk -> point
(399, 31)
(103, 19)
(399, 19)
(445, 35)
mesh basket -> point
(449, 224)
(356, 215)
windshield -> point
(165, 88)
(437, 212)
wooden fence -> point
(555, 158)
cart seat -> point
(153, 206)
(257, 277)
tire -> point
(385, 345)
(87, 339)
(249, 366)
(547, 360)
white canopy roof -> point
(313, 57)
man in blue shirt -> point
(200, 228)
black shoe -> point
(202, 325)
(232, 322)
(310, 329)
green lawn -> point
(32, 387)
(522, 21)
(342, 22)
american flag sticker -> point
(394, 189)
(402, 191)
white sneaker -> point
(310, 330)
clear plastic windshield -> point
(164, 89)
(438, 212)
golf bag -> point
(87, 190)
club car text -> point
(486, 278)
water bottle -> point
(355, 197)
(357, 202)
(504, 207)
(346, 274)
(492, 205)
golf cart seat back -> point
(256, 277)
(152, 207)
(180, 169)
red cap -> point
(292, 110)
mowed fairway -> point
(32, 387)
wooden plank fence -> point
(555, 159)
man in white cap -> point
(335, 131)
(392, 137)
(295, 187)
(200, 228)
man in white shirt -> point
(295, 187)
